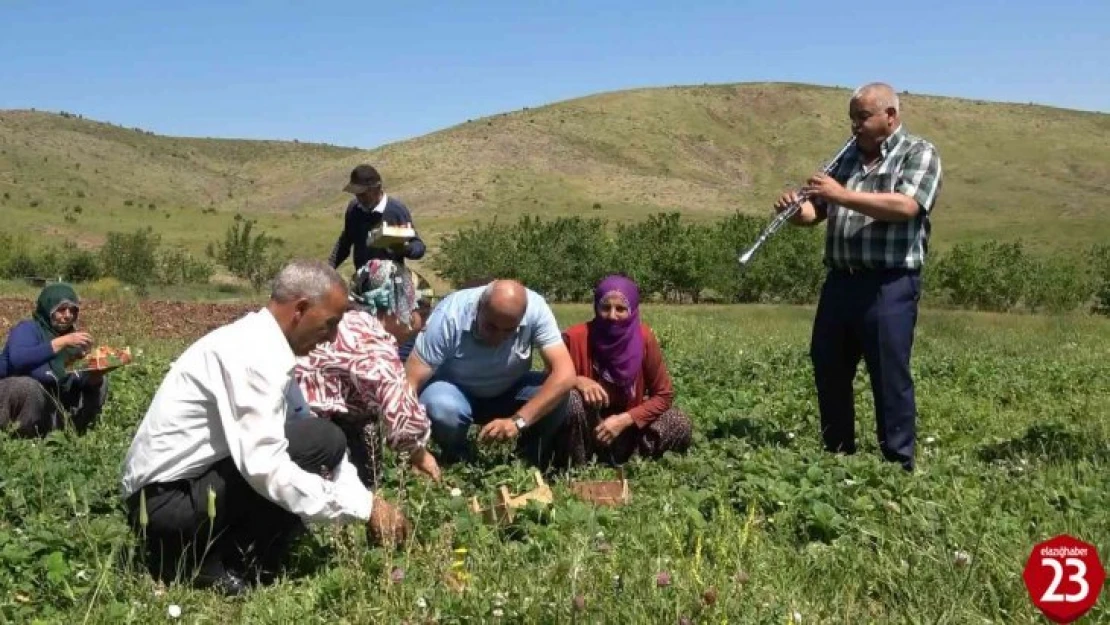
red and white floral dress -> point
(358, 382)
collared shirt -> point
(230, 394)
(379, 207)
(449, 345)
(359, 376)
(907, 164)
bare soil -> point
(131, 319)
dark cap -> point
(363, 178)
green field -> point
(755, 524)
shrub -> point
(986, 276)
(21, 264)
(1099, 258)
(81, 266)
(255, 257)
(480, 250)
(105, 289)
(132, 257)
(1058, 284)
(7, 248)
(176, 266)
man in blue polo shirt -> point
(472, 364)
(370, 208)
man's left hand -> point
(423, 461)
(499, 430)
(825, 187)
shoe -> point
(265, 576)
(227, 583)
(266, 569)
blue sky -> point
(367, 73)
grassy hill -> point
(1012, 170)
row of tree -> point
(677, 260)
(672, 259)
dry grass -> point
(1033, 172)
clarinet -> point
(793, 208)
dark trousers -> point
(28, 409)
(248, 533)
(870, 314)
(365, 447)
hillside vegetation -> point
(1012, 171)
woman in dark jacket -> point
(37, 394)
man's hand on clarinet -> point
(825, 187)
(785, 200)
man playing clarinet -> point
(878, 203)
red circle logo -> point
(1064, 577)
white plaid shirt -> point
(907, 164)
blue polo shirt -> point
(449, 346)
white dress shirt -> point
(230, 394)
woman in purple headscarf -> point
(623, 400)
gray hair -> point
(888, 98)
(307, 278)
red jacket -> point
(654, 392)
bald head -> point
(506, 297)
(874, 111)
(500, 310)
(880, 94)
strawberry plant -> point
(756, 523)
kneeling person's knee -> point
(316, 444)
(446, 405)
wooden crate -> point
(504, 508)
(604, 492)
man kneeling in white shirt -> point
(228, 460)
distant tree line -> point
(696, 261)
(673, 260)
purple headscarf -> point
(617, 346)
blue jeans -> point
(870, 314)
(452, 411)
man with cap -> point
(369, 209)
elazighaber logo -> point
(1064, 577)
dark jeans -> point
(870, 314)
(452, 411)
(248, 531)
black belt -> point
(157, 488)
(874, 271)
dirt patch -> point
(137, 319)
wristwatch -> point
(519, 422)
